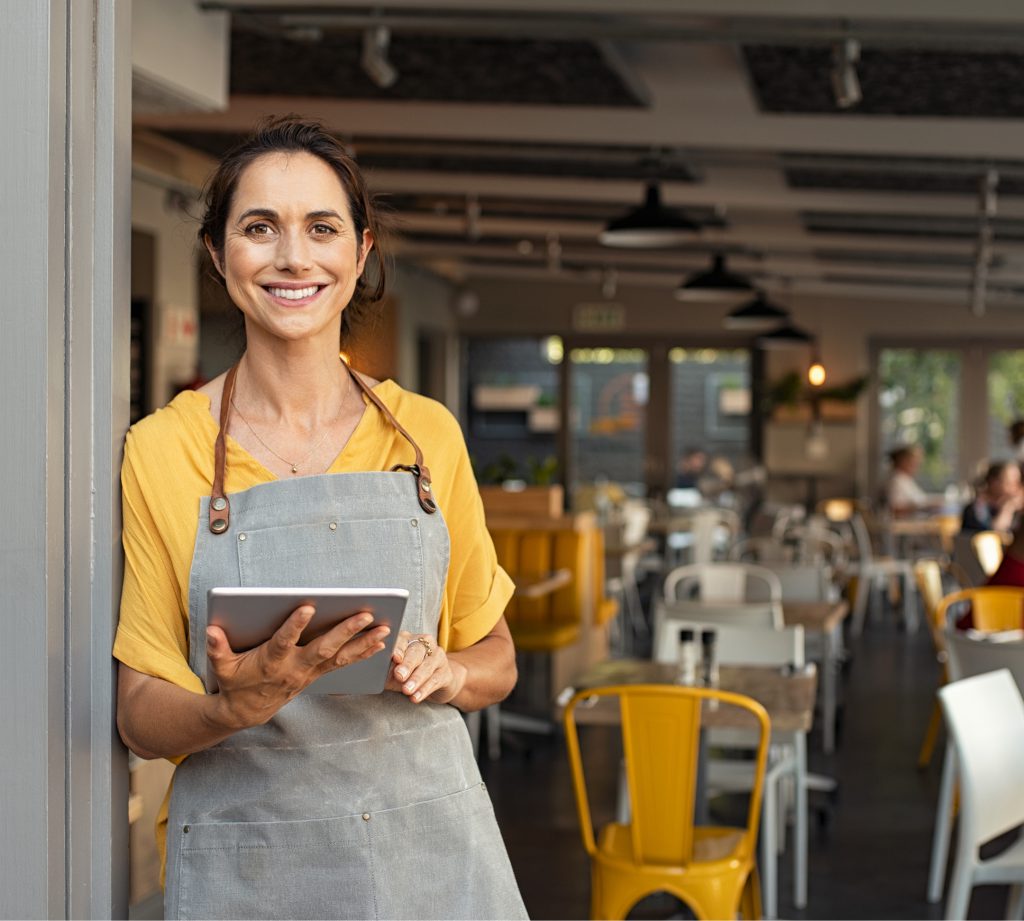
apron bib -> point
(340, 806)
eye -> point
(323, 230)
(258, 229)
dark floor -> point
(868, 860)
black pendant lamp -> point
(716, 283)
(785, 337)
(758, 315)
(651, 225)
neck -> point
(301, 384)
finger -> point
(398, 654)
(327, 645)
(415, 655)
(423, 672)
(286, 637)
(432, 683)
(363, 647)
(217, 646)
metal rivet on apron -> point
(241, 537)
(415, 523)
(185, 829)
(366, 817)
(219, 504)
(426, 487)
(333, 526)
(218, 526)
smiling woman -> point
(305, 473)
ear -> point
(364, 250)
(208, 243)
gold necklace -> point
(294, 466)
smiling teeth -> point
(293, 294)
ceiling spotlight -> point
(757, 315)
(652, 224)
(845, 83)
(376, 41)
(785, 337)
(716, 283)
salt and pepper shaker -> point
(687, 669)
(709, 663)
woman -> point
(291, 469)
(903, 496)
(999, 501)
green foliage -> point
(1006, 386)
(542, 472)
(917, 394)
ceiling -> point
(515, 131)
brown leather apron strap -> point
(418, 469)
(220, 508)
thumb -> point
(217, 646)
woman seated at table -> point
(999, 502)
(902, 495)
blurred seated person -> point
(903, 496)
(691, 468)
(999, 502)
(1016, 436)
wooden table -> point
(823, 619)
(537, 585)
(788, 698)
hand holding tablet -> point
(250, 617)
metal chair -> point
(712, 869)
(988, 548)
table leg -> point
(800, 855)
(829, 681)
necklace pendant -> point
(295, 469)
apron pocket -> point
(308, 869)
(369, 553)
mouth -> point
(293, 295)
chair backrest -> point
(988, 548)
(970, 655)
(761, 550)
(732, 582)
(765, 615)
(967, 560)
(985, 718)
(993, 607)
(928, 576)
(737, 644)
(804, 582)
(661, 742)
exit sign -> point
(601, 317)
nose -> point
(292, 253)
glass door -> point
(608, 399)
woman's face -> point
(1007, 484)
(291, 254)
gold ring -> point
(423, 641)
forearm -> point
(157, 719)
(488, 670)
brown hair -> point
(291, 134)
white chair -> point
(709, 530)
(870, 570)
(967, 655)
(985, 719)
(622, 568)
(761, 550)
(726, 582)
(747, 645)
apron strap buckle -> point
(424, 489)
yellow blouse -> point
(168, 468)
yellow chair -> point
(993, 607)
(928, 575)
(712, 869)
(988, 548)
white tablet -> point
(250, 616)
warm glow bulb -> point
(816, 374)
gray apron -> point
(340, 806)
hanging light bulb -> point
(816, 373)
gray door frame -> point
(65, 212)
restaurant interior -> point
(725, 300)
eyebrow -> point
(273, 215)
